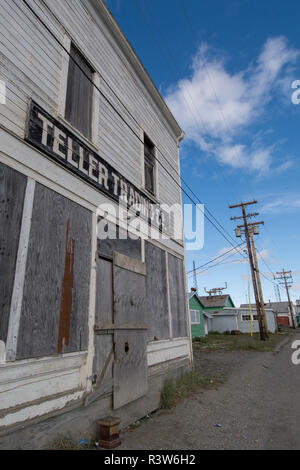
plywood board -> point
(129, 297)
(156, 293)
(130, 367)
(103, 344)
(177, 296)
(57, 275)
(127, 246)
(12, 191)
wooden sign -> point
(53, 138)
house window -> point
(195, 317)
(149, 159)
(79, 101)
(248, 318)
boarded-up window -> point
(149, 158)
(177, 296)
(79, 102)
(156, 293)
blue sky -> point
(225, 68)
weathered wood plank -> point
(12, 191)
(130, 264)
(128, 246)
(177, 296)
(129, 297)
(156, 293)
(46, 264)
(104, 314)
(130, 367)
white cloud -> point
(286, 203)
(296, 287)
(215, 106)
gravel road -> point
(258, 406)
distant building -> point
(198, 316)
(281, 309)
(240, 319)
(297, 310)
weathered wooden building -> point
(89, 325)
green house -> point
(199, 327)
(202, 308)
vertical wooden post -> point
(290, 303)
(17, 294)
(259, 285)
(259, 316)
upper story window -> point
(149, 159)
(79, 101)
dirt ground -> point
(257, 405)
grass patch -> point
(243, 342)
(71, 444)
(185, 386)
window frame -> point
(61, 108)
(149, 158)
(198, 315)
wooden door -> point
(120, 359)
(130, 337)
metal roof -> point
(277, 307)
(214, 300)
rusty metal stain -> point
(67, 291)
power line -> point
(220, 263)
(128, 125)
(131, 115)
(172, 63)
(214, 259)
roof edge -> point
(128, 50)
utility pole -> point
(286, 277)
(258, 277)
(254, 280)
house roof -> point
(214, 300)
(194, 294)
(207, 314)
(227, 312)
(277, 307)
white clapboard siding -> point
(110, 61)
(31, 61)
(168, 350)
(27, 381)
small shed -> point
(240, 319)
(199, 318)
(281, 309)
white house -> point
(94, 315)
(282, 311)
(230, 319)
